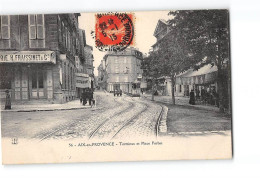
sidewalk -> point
(183, 101)
(40, 106)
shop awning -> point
(206, 74)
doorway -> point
(38, 84)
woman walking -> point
(7, 100)
(192, 97)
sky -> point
(144, 26)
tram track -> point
(52, 132)
(157, 125)
(129, 121)
(93, 133)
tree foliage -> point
(195, 38)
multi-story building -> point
(88, 51)
(100, 77)
(37, 56)
(122, 69)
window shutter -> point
(40, 26)
(32, 27)
(59, 28)
(5, 24)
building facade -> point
(38, 53)
(122, 70)
(89, 59)
(84, 65)
(101, 76)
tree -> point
(196, 38)
(151, 70)
(207, 37)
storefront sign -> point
(82, 80)
(27, 57)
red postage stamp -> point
(114, 31)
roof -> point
(202, 71)
(160, 21)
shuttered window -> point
(63, 34)
(5, 27)
(36, 31)
(59, 29)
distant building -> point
(101, 76)
(39, 55)
(122, 70)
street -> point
(112, 118)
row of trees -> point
(195, 38)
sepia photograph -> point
(94, 87)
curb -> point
(185, 105)
(163, 122)
(62, 109)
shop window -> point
(37, 77)
(36, 31)
(40, 79)
(34, 79)
(5, 78)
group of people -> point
(118, 92)
(207, 96)
(87, 95)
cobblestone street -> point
(113, 117)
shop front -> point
(28, 75)
(82, 82)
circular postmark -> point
(114, 31)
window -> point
(68, 45)
(63, 34)
(117, 79)
(116, 68)
(36, 31)
(5, 27)
(66, 36)
(126, 79)
(59, 29)
(116, 60)
(71, 79)
(180, 88)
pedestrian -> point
(84, 97)
(93, 100)
(192, 97)
(7, 100)
(120, 92)
(90, 96)
(80, 98)
(197, 93)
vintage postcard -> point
(115, 86)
